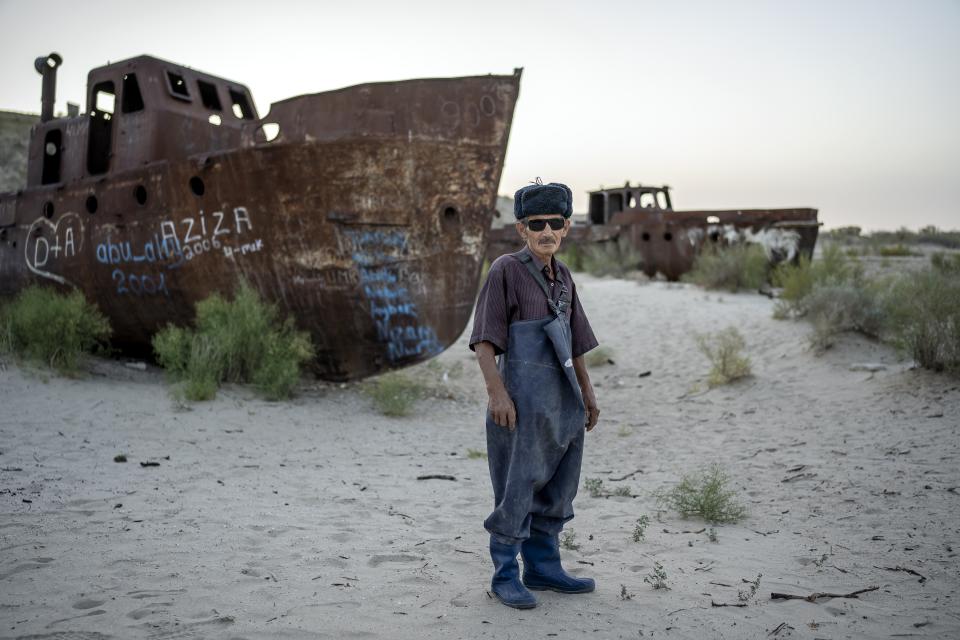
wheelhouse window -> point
(208, 95)
(240, 105)
(130, 97)
(177, 86)
(647, 200)
(100, 134)
(52, 147)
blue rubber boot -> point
(506, 583)
(542, 569)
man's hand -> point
(502, 409)
(593, 411)
(500, 405)
(586, 390)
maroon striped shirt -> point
(511, 294)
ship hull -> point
(369, 235)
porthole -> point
(645, 236)
(668, 236)
(140, 194)
(48, 210)
(449, 216)
(91, 204)
(197, 186)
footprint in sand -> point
(378, 560)
(141, 594)
(87, 603)
(151, 609)
(33, 563)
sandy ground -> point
(305, 519)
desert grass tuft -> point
(239, 340)
(724, 349)
(733, 267)
(658, 578)
(394, 394)
(51, 328)
(640, 528)
(568, 540)
(704, 494)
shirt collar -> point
(539, 263)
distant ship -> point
(666, 241)
(362, 212)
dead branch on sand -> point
(904, 569)
(814, 596)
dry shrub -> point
(55, 329)
(242, 340)
(703, 493)
(394, 394)
(834, 309)
(724, 349)
(732, 267)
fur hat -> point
(540, 199)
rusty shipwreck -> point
(362, 212)
(662, 240)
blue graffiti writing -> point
(140, 284)
(394, 313)
(154, 250)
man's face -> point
(545, 241)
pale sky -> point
(849, 107)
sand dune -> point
(305, 519)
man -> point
(540, 398)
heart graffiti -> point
(48, 243)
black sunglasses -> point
(539, 225)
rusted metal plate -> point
(365, 218)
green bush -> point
(733, 267)
(896, 251)
(946, 263)
(923, 317)
(242, 340)
(52, 328)
(724, 349)
(612, 258)
(703, 493)
(394, 394)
